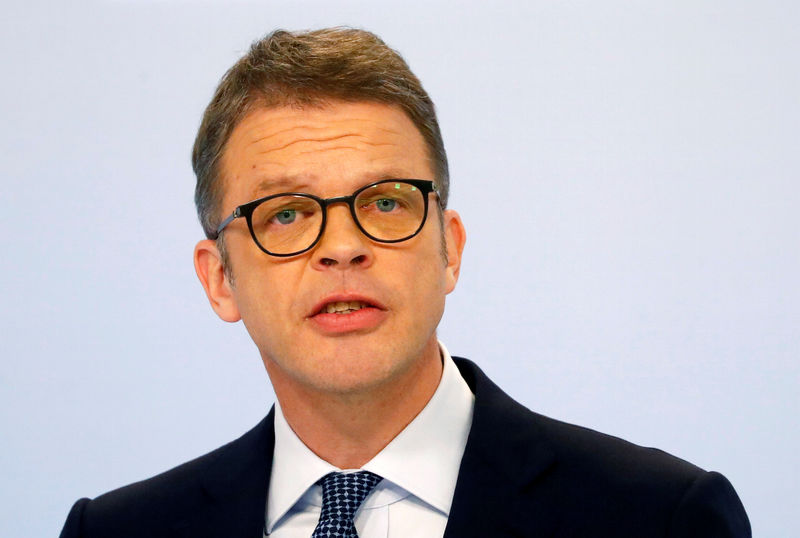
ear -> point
(455, 236)
(210, 271)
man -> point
(322, 187)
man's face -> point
(332, 151)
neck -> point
(348, 429)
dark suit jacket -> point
(522, 474)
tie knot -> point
(342, 494)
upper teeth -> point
(340, 307)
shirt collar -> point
(295, 468)
(423, 459)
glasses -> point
(290, 223)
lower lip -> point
(360, 320)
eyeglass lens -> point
(387, 211)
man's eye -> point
(285, 216)
(385, 204)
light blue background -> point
(627, 172)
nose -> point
(342, 245)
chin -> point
(338, 372)
(348, 366)
(355, 376)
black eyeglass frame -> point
(246, 210)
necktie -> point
(342, 494)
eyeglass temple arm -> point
(235, 215)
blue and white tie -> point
(342, 494)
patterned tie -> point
(342, 494)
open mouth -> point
(343, 307)
(347, 313)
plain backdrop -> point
(627, 173)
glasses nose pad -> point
(341, 239)
(340, 215)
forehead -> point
(336, 146)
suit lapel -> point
(235, 485)
(504, 456)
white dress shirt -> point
(419, 469)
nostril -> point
(328, 261)
(358, 259)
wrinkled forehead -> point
(328, 145)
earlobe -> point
(455, 237)
(211, 272)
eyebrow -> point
(274, 185)
(301, 183)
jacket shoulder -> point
(609, 458)
(644, 490)
(577, 448)
(584, 479)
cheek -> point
(430, 285)
(265, 296)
